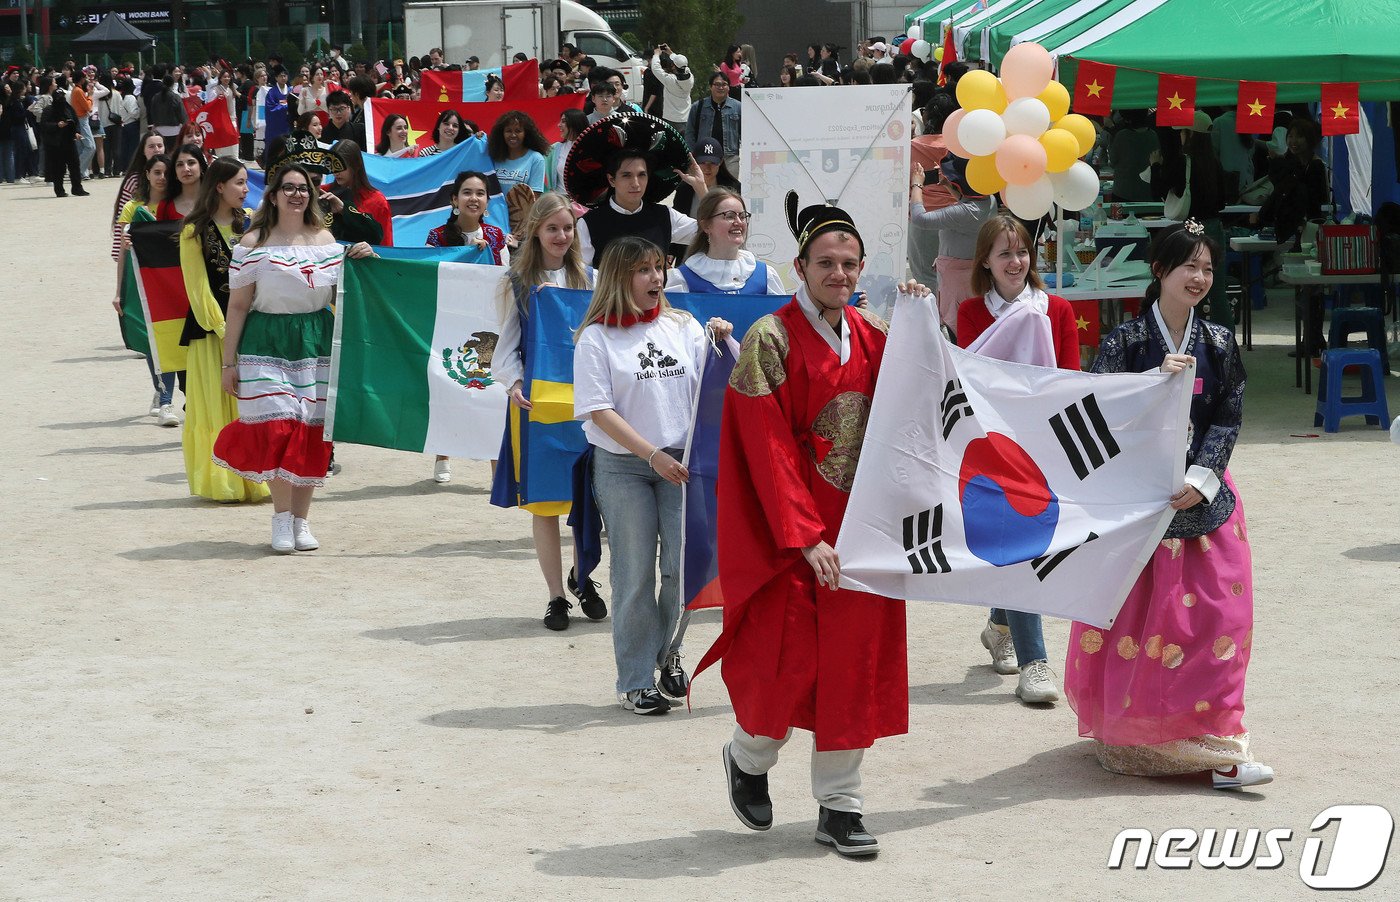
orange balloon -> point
(950, 133)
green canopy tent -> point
(973, 35)
(1298, 45)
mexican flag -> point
(411, 358)
(154, 290)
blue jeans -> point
(162, 382)
(1026, 634)
(86, 145)
(638, 508)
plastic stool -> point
(1349, 320)
(1331, 406)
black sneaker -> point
(556, 616)
(844, 832)
(592, 604)
(748, 794)
(673, 682)
(644, 701)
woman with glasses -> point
(716, 261)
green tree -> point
(231, 52)
(194, 52)
(290, 53)
(258, 51)
(357, 53)
(700, 29)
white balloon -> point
(981, 132)
(922, 50)
(1076, 187)
(1030, 201)
(1026, 116)
(915, 32)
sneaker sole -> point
(1234, 784)
(307, 547)
(277, 550)
(557, 629)
(661, 709)
(1031, 698)
(848, 851)
(670, 696)
(728, 782)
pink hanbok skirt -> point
(1173, 665)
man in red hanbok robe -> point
(797, 651)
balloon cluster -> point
(1019, 137)
(914, 45)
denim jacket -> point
(700, 123)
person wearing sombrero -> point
(796, 651)
(277, 341)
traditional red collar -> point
(631, 319)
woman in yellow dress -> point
(212, 228)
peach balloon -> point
(1026, 70)
(1020, 160)
(950, 133)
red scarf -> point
(631, 319)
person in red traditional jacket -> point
(797, 651)
(1012, 318)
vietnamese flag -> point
(1086, 322)
(213, 118)
(1341, 108)
(521, 80)
(1254, 115)
(160, 289)
(1176, 100)
(422, 114)
(1093, 88)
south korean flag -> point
(1006, 485)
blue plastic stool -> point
(1349, 320)
(1331, 406)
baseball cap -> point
(473, 59)
(1200, 124)
(880, 46)
(707, 150)
(680, 60)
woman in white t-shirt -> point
(636, 372)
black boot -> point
(844, 832)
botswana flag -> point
(419, 189)
(156, 287)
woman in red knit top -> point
(1014, 319)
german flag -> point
(159, 286)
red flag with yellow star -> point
(1341, 108)
(1176, 100)
(1255, 113)
(1093, 88)
(1086, 322)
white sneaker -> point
(302, 537)
(997, 640)
(282, 541)
(155, 404)
(1037, 684)
(1241, 775)
(442, 471)
(165, 416)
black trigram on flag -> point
(923, 541)
(1046, 563)
(954, 406)
(1084, 422)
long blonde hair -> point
(612, 290)
(700, 244)
(527, 264)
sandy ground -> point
(190, 717)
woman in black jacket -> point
(60, 126)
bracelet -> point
(652, 454)
(230, 366)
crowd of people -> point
(796, 651)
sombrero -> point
(585, 169)
(300, 148)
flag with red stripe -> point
(422, 114)
(521, 81)
(160, 287)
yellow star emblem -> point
(1082, 323)
(413, 133)
(1256, 108)
(1094, 88)
(1339, 111)
(1176, 100)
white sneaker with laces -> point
(442, 471)
(1037, 684)
(302, 537)
(155, 404)
(997, 640)
(165, 416)
(282, 541)
(1241, 775)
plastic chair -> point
(1371, 404)
(1350, 320)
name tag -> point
(1199, 387)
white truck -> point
(495, 30)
